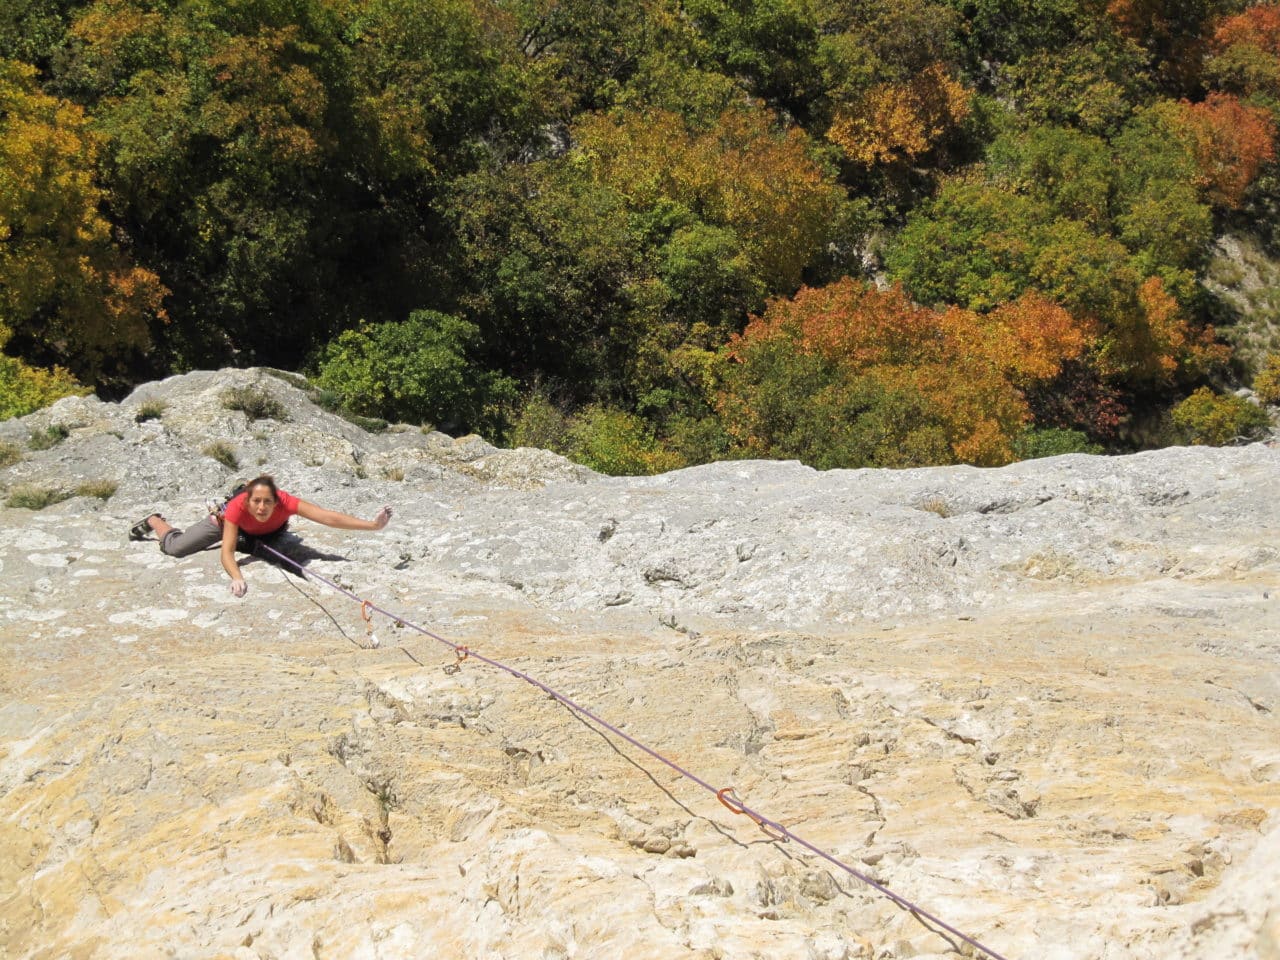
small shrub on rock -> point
(255, 403)
(25, 389)
(50, 436)
(367, 424)
(1209, 419)
(10, 453)
(1052, 442)
(541, 424)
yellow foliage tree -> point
(24, 388)
(1267, 382)
(64, 284)
(901, 122)
(739, 173)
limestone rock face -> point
(1042, 703)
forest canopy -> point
(891, 233)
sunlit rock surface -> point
(1041, 702)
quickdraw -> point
(366, 614)
(771, 830)
(462, 653)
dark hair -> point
(266, 480)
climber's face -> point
(261, 502)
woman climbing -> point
(258, 511)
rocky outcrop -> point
(1041, 702)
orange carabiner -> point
(727, 796)
(726, 792)
(366, 611)
(462, 654)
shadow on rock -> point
(286, 550)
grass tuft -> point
(50, 436)
(102, 489)
(936, 505)
(224, 453)
(150, 410)
(30, 496)
(10, 453)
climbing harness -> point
(770, 828)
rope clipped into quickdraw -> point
(366, 614)
(773, 831)
(726, 795)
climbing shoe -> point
(142, 529)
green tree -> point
(772, 43)
(418, 371)
(438, 85)
(1006, 31)
(1058, 211)
(970, 245)
(33, 31)
(785, 403)
(1090, 86)
(281, 163)
(219, 157)
(1070, 171)
(618, 443)
(554, 270)
(592, 49)
(652, 235)
(743, 173)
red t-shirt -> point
(238, 513)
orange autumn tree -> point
(897, 384)
(1258, 26)
(1154, 341)
(1245, 51)
(1230, 141)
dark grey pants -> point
(199, 536)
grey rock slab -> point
(1039, 701)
